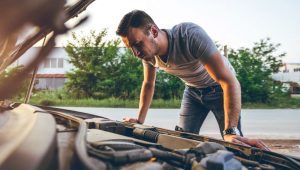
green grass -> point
(59, 98)
(284, 102)
(110, 102)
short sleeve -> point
(200, 44)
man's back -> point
(188, 46)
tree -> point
(11, 72)
(168, 86)
(254, 68)
(102, 69)
(130, 76)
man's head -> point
(139, 32)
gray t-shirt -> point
(188, 45)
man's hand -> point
(131, 120)
(246, 142)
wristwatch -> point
(232, 131)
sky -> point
(235, 23)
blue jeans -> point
(195, 105)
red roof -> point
(50, 76)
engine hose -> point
(116, 145)
(121, 157)
(293, 163)
(147, 135)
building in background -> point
(289, 74)
(51, 72)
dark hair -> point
(135, 19)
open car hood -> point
(45, 17)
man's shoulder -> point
(185, 28)
(185, 25)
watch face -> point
(232, 131)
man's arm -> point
(220, 72)
(147, 91)
(146, 94)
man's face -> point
(142, 45)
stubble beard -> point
(155, 51)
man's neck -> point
(163, 43)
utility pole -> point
(225, 51)
(31, 85)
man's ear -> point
(154, 31)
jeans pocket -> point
(214, 93)
(213, 96)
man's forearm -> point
(146, 96)
(232, 104)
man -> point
(186, 51)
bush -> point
(47, 103)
